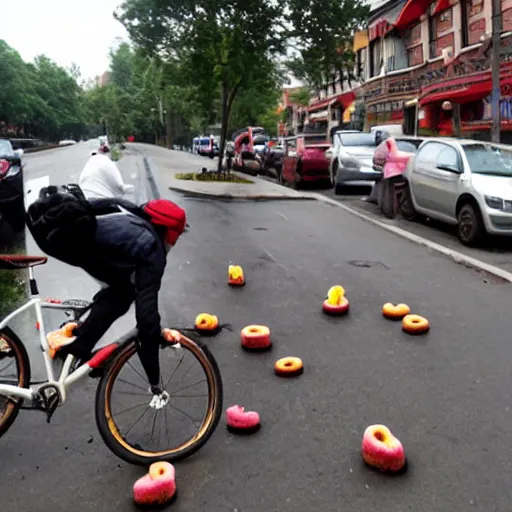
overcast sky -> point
(65, 30)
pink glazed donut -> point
(157, 488)
(240, 421)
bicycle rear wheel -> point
(138, 430)
(14, 370)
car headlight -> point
(350, 163)
(494, 202)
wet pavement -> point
(445, 395)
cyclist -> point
(128, 257)
(100, 177)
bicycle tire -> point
(23, 368)
(108, 429)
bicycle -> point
(108, 364)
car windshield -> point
(489, 159)
(357, 139)
(5, 148)
(315, 140)
(409, 146)
(204, 142)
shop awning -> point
(383, 24)
(319, 105)
(441, 5)
(345, 99)
(464, 94)
(411, 12)
(360, 40)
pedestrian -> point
(100, 177)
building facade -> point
(426, 64)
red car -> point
(304, 159)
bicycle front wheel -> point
(141, 430)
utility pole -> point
(495, 59)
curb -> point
(245, 197)
(456, 256)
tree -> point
(40, 98)
(323, 31)
(224, 45)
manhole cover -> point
(367, 264)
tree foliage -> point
(323, 31)
(224, 46)
(39, 99)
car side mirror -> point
(449, 168)
(19, 153)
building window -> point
(437, 28)
(473, 21)
(375, 57)
(361, 64)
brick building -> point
(419, 59)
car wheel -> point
(334, 172)
(387, 199)
(405, 204)
(470, 226)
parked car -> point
(466, 183)
(304, 159)
(12, 207)
(67, 142)
(273, 160)
(390, 159)
(351, 159)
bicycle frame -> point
(66, 379)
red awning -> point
(384, 23)
(319, 105)
(465, 94)
(441, 6)
(411, 13)
(346, 99)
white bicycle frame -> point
(65, 380)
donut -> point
(240, 421)
(397, 312)
(415, 324)
(256, 338)
(236, 275)
(207, 325)
(289, 367)
(336, 310)
(157, 488)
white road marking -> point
(281, 215)
(33, 187)
(456, 256)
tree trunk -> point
(227, 102)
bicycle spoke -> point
(188, 396)
(175, 370)
(7, 366)
(134, 393)
(138, 419)
(153, 426)
(193, 420)
(133, 407)
(191, 385)
(138, 373)
(132, 384)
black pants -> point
(113, 302)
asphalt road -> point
(445, 395)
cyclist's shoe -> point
(61, 338)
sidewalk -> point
(169, 163)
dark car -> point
(273, 160)
(12, 203)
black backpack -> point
(63, 223)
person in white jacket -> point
(100, 178)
